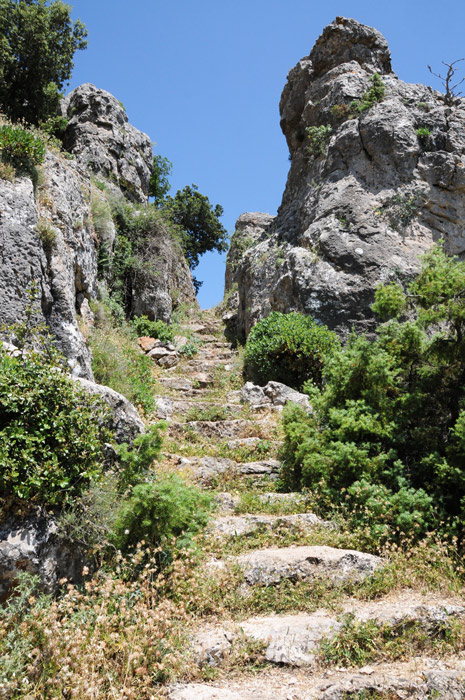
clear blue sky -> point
(203, 78)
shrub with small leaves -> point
(288, 348)
(157, 511)
(51, 444)
(154, 329)
(374, 94)
(20, 148)
(318, 137)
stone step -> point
(166, 407)
(421, 679)
(206, 469)
(238, 525)
(267, 567)
(219, 430)
(295, 640)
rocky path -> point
(305, 614)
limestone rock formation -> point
(372, 191)
(32, 543)
(50, 231)
(48, 239)
(125, 422)
(101, 138)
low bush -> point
(154, 329)
(289, 348)
(50, 440)
(157, 511)
(374, 94)
(318, 137)
(386, 439)
(20, 148)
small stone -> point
(147, 343)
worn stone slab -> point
(260, 468)
(177, 383)
(247, 524)
(267, 567)
(204, 469)
(220, 429)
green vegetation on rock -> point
(388, 424)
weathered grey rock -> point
(269, 467)
(32, 544)
(164, 407)
(206, 469)
(99, 135)
(247, 524)
(424, 680)
(125, 421)
(266, 567)
(364, 211)
(164, 281)
(220, 429)
(227, 502)
(295, 640)
(177, 383)
(64, 269)
(274, 394)
(292, 639)
(291, 500)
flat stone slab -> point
(290, 499)
(265, 466)
(266, 567)
(247, 524)
(291, 639)
(204, 469)
(294, 640)
(220, 429)
(177, 383)
(418, 680)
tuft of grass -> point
(117, 361)
(47, 234)
(361, 642)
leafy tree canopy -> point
(159, 185)
(38, 40)
(199, 220)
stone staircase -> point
(269, 539)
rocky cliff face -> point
(50, 232)
(368, 191)
(46, 238)
(101, 138)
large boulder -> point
(124, 420)
(363, 209)
(32, 543)
(101, 138)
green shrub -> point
(388, 426)
(288, 348)
(50, 440)
(20, 148)
(160, 510)
(374, 94)
(134, 460)
(153, 329)
(318, 137)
